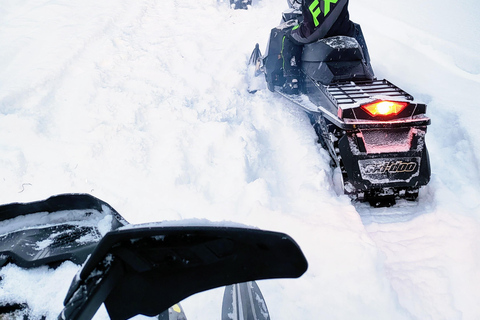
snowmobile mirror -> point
(145, 270)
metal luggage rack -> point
(351, 92)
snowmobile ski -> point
(175, 312)
(373, 130)
(244, 301)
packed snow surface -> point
(143, 104)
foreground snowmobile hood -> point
(136, 269)
(146, 270)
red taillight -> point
(384, 108)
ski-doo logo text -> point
(390, 167)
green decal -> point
(327, 7)
(315, 10)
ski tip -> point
(175, 312)
(244, 301)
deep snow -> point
(143, 104)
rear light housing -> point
(382, 110)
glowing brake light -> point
(384, 108)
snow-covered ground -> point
(143, 104)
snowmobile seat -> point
(335, 59)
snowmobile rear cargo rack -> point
(352, 92)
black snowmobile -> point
(240, 4)
(141, 269)
(372, 129)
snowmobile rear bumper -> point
(376, 176)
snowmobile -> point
(140, 269)
(373, 130)
(240, 4)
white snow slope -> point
(143, 104)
